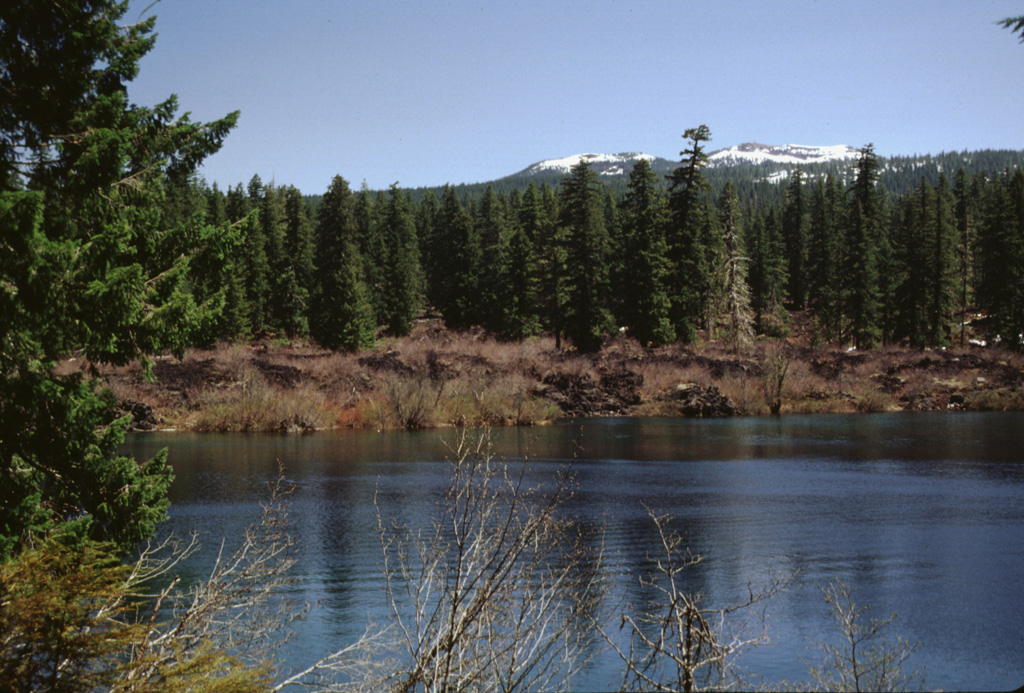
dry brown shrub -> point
(254, 405)
(408, 401)
(745, 392)
(1003, 399)
(801, 380)
(232, 358)
(658, 376)
(874, 400)
(697, 374)
(576, 366)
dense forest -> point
(665, 259)
(113, 250)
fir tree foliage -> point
(342, 315)
(458, 264)
(401, 274)
(645, 266)
(587, 317)
(86, 264)
(689, 212)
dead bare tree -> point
(865, 659)
(226, 629)
(774, 368)
(494, 594)
(678, 643)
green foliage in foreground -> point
(89, 265)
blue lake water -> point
(922, 513)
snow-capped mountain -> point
(601, 164)
(751, 153)
(755, 153)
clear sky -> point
(427, 93)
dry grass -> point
(436, 378)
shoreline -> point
(436, 378)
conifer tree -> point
(966, 216)
(825, 257)
(402, 288)
(689, 212)
(794, 231)
(86, 263)
(429, 240)
(342, 316)
(553, 255)
(860, 260)
(295, 266)
(1001, 250)
(371, 246)
(767, 274)
(587, 318)
(492, 229)
(943, 266)
(913, 262)
(517, 284)
(519, 276)
(645, 268)
(236, 204)
(861, 274)
(458, 263)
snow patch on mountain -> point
(604, 164)
(755, 153)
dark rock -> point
(702, 402)
(278, 374)
(143, 418)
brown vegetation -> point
(436, 377)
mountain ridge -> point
(745, 153)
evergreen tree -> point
(767, 275)
(860, 262)
(492, 229)
(402, 289)
(84, 265)
(519, 275)
(1001, 250)
(518, 285)
(294, 271)
(644, 274)
(236, 204)
(216, 210)
(794, 231)
(911, 251)
(861, 273)
(587, 318)
(553, 254)
(371, 246)
(966, 216)
(942, 281)
(458, 264)
(689, 212)
(342, 316)
(825, 257)
(429, 240)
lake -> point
(922, 513)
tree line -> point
(665, 261)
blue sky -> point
(427, 93)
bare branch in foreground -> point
(495, 594)
(678, 643)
